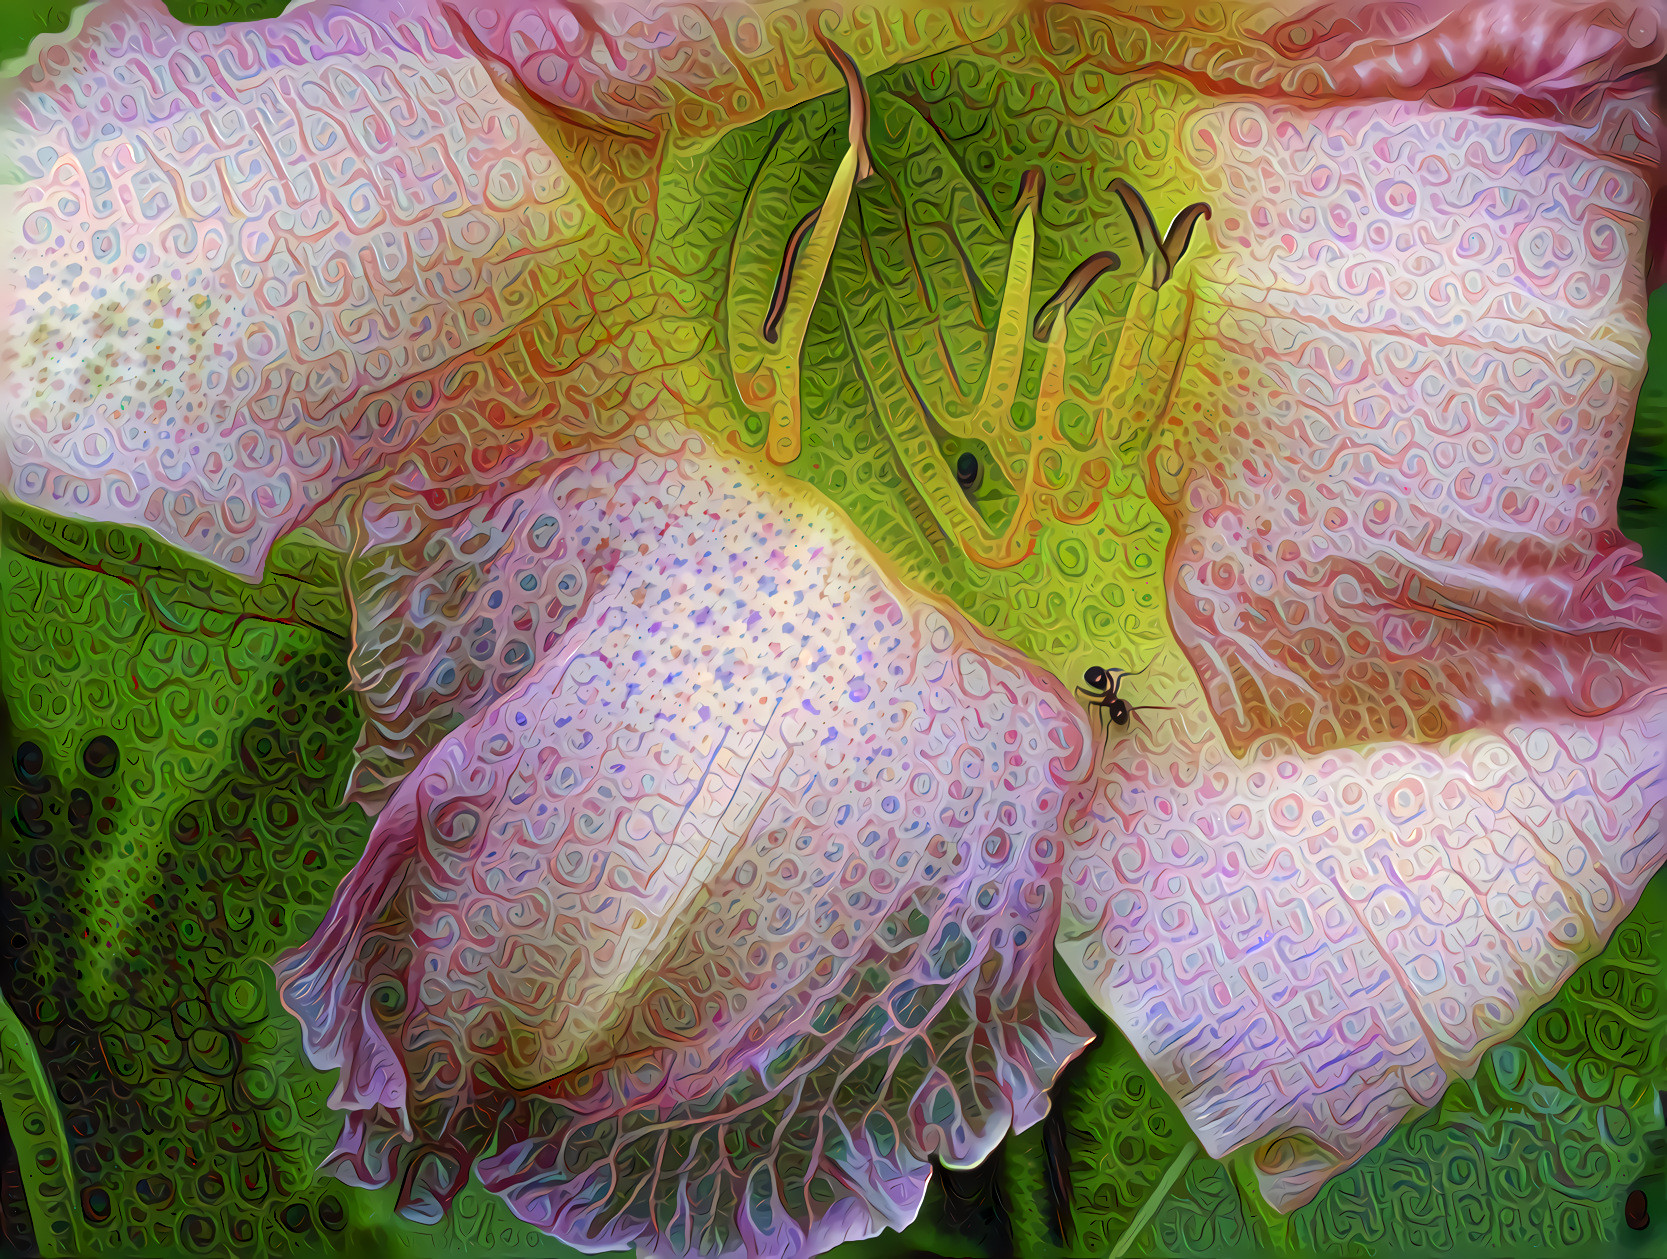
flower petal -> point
(253, 262)
(1306, 948)
(246, 255)
(1392, 472)
(759, 855)
(1541, 58)
(1414, 773)
(699, 69)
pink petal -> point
(254, 262)
(1415, 772)
(247, 258)
(696, 68)
(1543, 58)
(245, 194)
(759, 851)
(1401, 521)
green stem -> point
(1154, 1200)
(37, 1130)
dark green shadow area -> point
(20, 22)
(1643, 499)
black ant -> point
(1103, 694)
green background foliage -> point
(176, 747)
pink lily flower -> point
(718, 867)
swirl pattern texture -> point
(727, 817)
(745, 890)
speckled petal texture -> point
(1415, 772)
(721, 854)
(735, 909)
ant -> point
(1103, 684)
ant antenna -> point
(1116, 676)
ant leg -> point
(1135, 712)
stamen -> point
(1152, 342)
(1162, 253)
(1030, 188)
(1145, 229)
(1180, 232)
(856, 91)
(1074, 289)
(784, 279)
(771, 379)
(924, 463)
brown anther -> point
(1163, 252)
(784, 277)
(856, 89)
(1074, 289)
